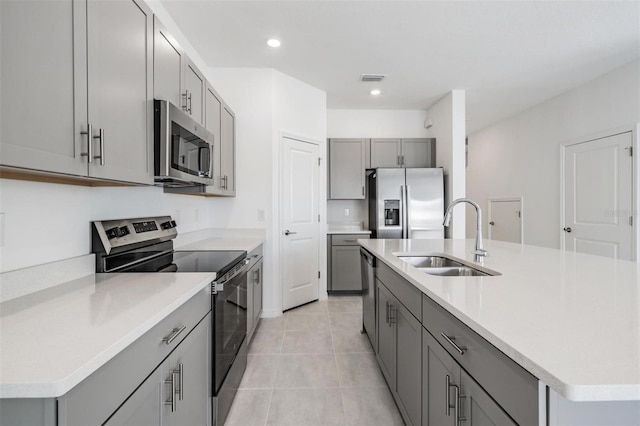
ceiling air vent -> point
(372, 77)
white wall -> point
(267, 103)
(520, 156)
(447, 117)
(375, 123)
(45, 222)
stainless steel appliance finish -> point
(406, 203)
(368, 265)
(145, 245)
(183, 149)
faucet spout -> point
(479, 253)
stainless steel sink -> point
(455, 271)
(444, 267)
(429, 261)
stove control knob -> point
(117, 232)
(113, 233)
(168, 224)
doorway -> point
(300, 222)
(505, 219)
(598, 197)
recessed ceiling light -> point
(273, 42)
(375, 92)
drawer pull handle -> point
(350, 241)
(451, 340)
(174, 334)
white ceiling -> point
(507, 55)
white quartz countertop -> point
(53, 339)
(346, 228)
(213, 244)
(572, 320)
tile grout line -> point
(335, 359)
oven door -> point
(229, 325)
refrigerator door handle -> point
(403, 212)
(407, 197)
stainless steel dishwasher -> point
(368, 266)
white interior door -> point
(598, 197)
(505, 220)
(300, 226)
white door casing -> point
(505, 220)
(598, 197)
(300, 220)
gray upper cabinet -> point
(408, 152)
(194, 84)
(213, 115)
(120, 38)
(93, 51)
(228, 151)
(168, 59)
(39, 107)
(418, 152)
(386, 153)
(347, 169)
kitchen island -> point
(570, 320)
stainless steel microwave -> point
(183, 148)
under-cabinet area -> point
(78, 132)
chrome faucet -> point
(479, 253)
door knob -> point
(287, 232)
(492, 223)
(567, 229)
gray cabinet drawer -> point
(97, 397)
(347, 239)
(405, 292)
(515, 389)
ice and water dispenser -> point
(392, 212)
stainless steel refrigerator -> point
(406, 203)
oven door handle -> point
(218, 286)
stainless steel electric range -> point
(146, 245)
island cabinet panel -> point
(478, 408)
(437, 365)
(142, 407)
(399, 353)
(402, 289)
(514, 388)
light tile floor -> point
(312, 366)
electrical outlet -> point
(346, 212)
(260, 215)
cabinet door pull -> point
(89, 153)
(180, 372)
(386, 318)
(451, 341)
(174, 333)
(392, 314)
(447, 399)
(100, 137)
(172, 402)
(190, 104)
(185, 95)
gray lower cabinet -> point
(177, 392)
(254, 292)
(450, 396)
(164, 377)
(77, 127)
(439, 371)
(400, 354)
(345, 273)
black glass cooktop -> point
(207, 261)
